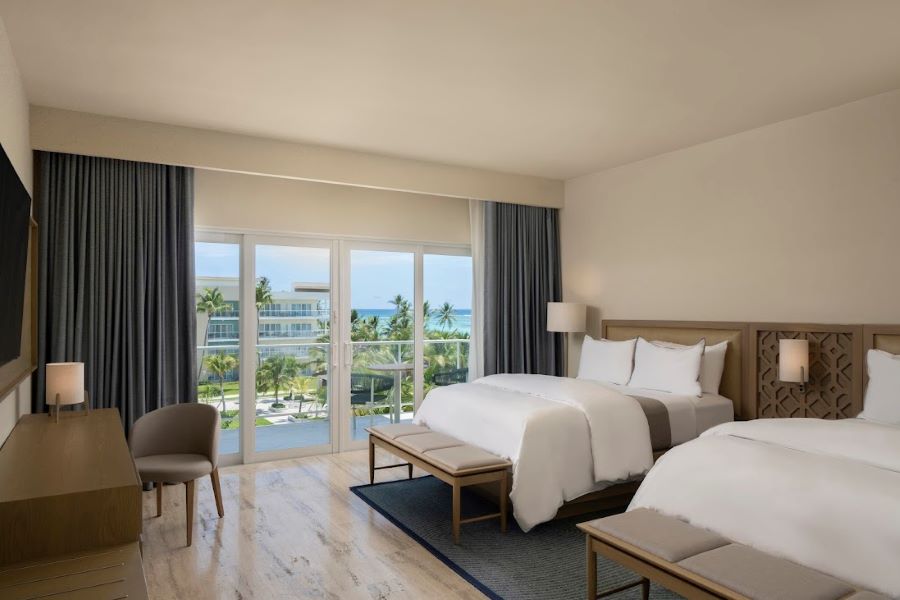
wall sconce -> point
(65, 386)
(793, 362)
(566, 317)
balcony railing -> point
(223, 335)
(299, 334)
(291, 312)
(226, 314)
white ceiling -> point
(552, 88)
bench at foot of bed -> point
(450, 460)
(698, 563)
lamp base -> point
(86, 403)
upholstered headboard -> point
(734, 378)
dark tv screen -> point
(15, 213)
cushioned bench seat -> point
(701, 564)
(450, 460)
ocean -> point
(462, 322)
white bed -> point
(565, 437)
(821, 493)
(825, 494)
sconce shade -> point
(793, 361)
(566, 317)
(67, 380)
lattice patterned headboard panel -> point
(836, 365)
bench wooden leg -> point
(591, 564)
(457, 508)
(645, 589)
(410, 470)
(372, 460)
(504, 500)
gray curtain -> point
(116, 272)
(522, 274)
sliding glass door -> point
(305, 342)
(381, 312)
(217, 270)
(292, 298)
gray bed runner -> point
(658, 419)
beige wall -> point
(272, 204)
(82, 133)
(15, 139)
(795, 221)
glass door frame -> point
(341, 438)
(346, 441)
(248, 340)
(215, 237)
(418, 250)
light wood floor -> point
(292, 529)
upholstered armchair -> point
(178, 444)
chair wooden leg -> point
(504, 501)
(189, 509)
(217, 492)
(645, 589)
(457, 509)
(591, 564)
(371, 460)
(410, 470)
(159, 487)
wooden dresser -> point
(70, 509)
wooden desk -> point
(67, 487)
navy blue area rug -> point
(547, 563)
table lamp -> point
(65, 386)
(566, 317)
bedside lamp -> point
(793, 361)
(566, 317)
(65, 386)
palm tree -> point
(304, 386)
(209, 303)
(263, 298)
(400, 323)
(446, 318)
(275, 373)
(219, 365)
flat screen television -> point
(15, 222)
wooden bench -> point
(450, 460)
(698, 563)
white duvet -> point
(563, 435)
(825, 494)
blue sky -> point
(376, 276)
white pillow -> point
(606, 360)
(674, 370)
(712, 364)
(882, 402)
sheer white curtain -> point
(476, 337)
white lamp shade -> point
(793, 361)
(567, 317)
(67, 380)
